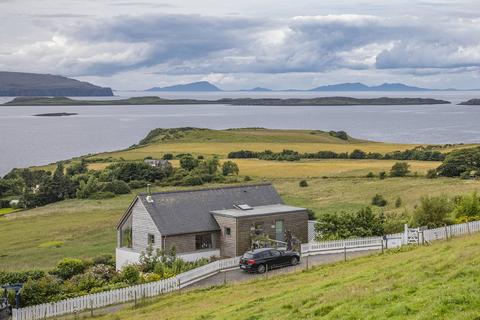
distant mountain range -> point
(342, 87)
(15, 84)
(194, 86)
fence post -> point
(468, 228)
(224, 277)
(91, 308)
(345, 252)
(446, 232)
(382, 245)
(405, 234)
(135, 299)
(308, 255)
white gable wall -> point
(142, 225)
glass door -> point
(279, 230)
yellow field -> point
(223, 148)
(319, 168)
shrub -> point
(40, 291)
(382, 175)
(105, 259)
(192, 181)
(77, 168)
(467, 207)
(357, 154)
(363, 223)
(20, 276)
(433, 212)
(303, 184)
(229, 167)
(128, 171)
(167, 156)
(379, 201)
(370, 175)
(69, 267)
(137, 184)
(130, 274)
(398, 202)
(200, 157)
(247, 178)
(432, 174)
(116, 187)
(399, 169)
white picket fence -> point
(133, 293)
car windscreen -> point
(248, 255)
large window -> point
(203, 241)
(126, 238)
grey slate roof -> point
(188, 211)
(258, 211)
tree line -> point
(419, 154)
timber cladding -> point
(240, 238)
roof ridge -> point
(207, 189)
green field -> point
(39, 237)
(441, 281)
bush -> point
(303, 184)
(40, 291)
(200, 157)
(130, 274)
(399, 169)
(363, 223)
(432, 174)
(382, 175)
(398, 202)
(433, 212)
(69, 267)
(247, 178)
(116, 187)
(467, 207)
(20, 276)
(137, 184)
(88, 188)
(379, 201)
(357, 154)
(128, 171)
(229, 167)
(192, 181)
(370, 175)
(167, 156)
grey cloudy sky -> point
(241, 44)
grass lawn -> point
(441, 281)
(6, 211)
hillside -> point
(471, 102)
(13, 84)
(441, 281)
(194, 86)
(322, 101)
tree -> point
(303, 183)
(433, 212)
(87, 189)
(358, 154)
(432, 174)
(400, 169)
(229, 167)
(128, 171)
(460, 161)
(379, 201)
(188, 162)
(77, 168)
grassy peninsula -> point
(152, 100)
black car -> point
(261, 260)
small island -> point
(471, 102)
(321, 101)
(56, 114)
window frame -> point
(150, 239)
(204, 236)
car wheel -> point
(261, 268)
(294, 261)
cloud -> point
(184, 44)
